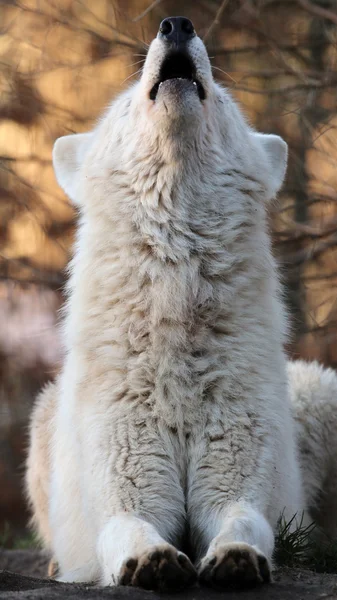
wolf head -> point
(176, 114)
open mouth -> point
(178, 66)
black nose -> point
(176, 30)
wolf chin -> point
(171, 419)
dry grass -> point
(299, 548)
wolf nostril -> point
(187, 26)
(166, 27)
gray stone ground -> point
(22, 575)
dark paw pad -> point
(236, 566)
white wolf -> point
(171, 416)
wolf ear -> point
(68, 154)
(276, 150)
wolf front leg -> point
(242, 477)
(136, 545)
(133, 497)
(132, 552)
(240, 554)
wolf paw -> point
(235, 565)
(162, 569)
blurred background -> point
(61, 61)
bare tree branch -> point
(319, 11)
(216, 21)
(147, 10)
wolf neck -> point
(153, 286)
(139, 264)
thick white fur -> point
(313, 392)
(172, 406)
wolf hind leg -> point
(38, 461)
